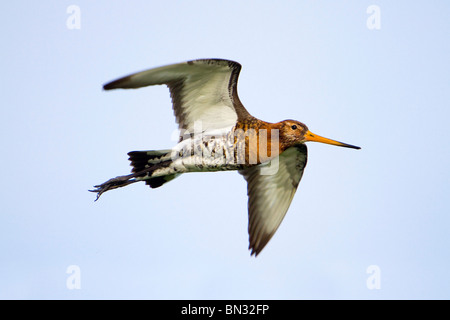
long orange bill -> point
(314, 137)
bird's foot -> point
(113, 183)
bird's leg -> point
(122, 181)
(114, 183)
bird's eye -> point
(294, 127)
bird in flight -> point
(218, 134)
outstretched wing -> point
(203, 92)
(270, 195)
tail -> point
(144, 164)
(142, 160)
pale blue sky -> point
(385, 90)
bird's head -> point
(294, 132)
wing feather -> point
(203, 91)
(269, 196)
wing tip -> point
(255, 250)
(108, 86)
(118, 84)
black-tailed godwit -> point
(217, 133)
